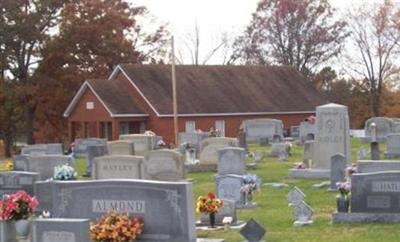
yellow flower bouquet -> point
(208, 204)
(7, 166)
(116, 227)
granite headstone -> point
(82, 144)
(164, 165)
(332, 136)
(121, 147)
(231, 160)
(60, 230)
(209, 148)
(14, 181)
(166, 207)
(117, 167)
(375, 192)
(143, 143)
(338, 166)
(228, 187)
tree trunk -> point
(375, 104)
(8, 142)
(29, 129)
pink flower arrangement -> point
(344, 188)
(17, 206)
(350, 170)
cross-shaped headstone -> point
(295, 196)
(252, 231)
(302, 213)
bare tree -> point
(376, 38)
(192, 51)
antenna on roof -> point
(174, 98)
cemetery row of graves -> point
(317, 185)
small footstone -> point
(252, 231)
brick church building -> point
(136, 98)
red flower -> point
(211, 195)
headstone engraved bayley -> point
(295, 196)
(117, 166)
(333, 134)
(302, 213)
(60, 230)
(338, 166)
(167, 208)
(375, 192)
(13, 181)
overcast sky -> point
(213, 17)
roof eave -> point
(233, 114)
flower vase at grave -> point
(342, 203)
(248, 198)
(7, 231)
(22, 228)
(212, 220)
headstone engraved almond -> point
(166, 207)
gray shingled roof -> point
(225, 89)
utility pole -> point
(174, 97)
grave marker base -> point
(201, 168)
(365, 218)
(309, 173)
(303, 223)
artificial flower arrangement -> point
(350, 170)
(250, 184)
(64, 173)
(116, 227)
(7, 166)
(344, 188)
(208, 204)
(300, 165)
(17, 206)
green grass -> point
(275, 215)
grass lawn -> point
(275, 215)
